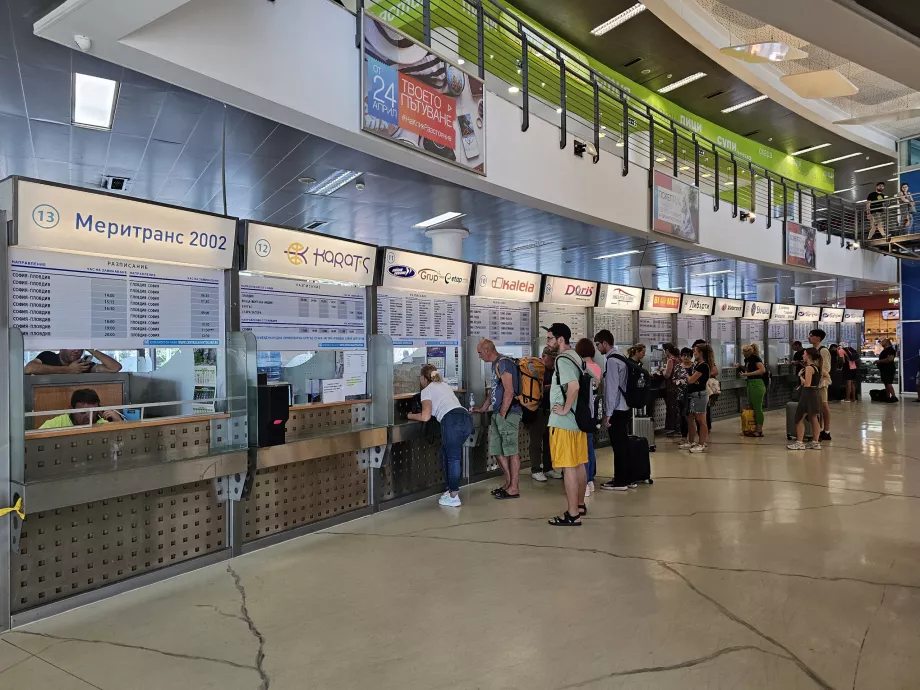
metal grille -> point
(77, 549)
(77, 454)
(779, 394)
(659, 412)
(413, 466)
(299, 493)
(481, 462)
(312, 421)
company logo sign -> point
(666, 302)
(808, 314)
(783, 312)
(431, 275)
(565, 291)
(853, 316)
(757, 310)
(401, 271)
(438, 275)
(579, 290)
(621, 297)
(507, 284)
(697, 305)
(729, 308)
(832, 315)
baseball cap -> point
(560, 330)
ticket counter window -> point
(409, 360)
(317, 376)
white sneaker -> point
(538, 476)
(591, 486)
(686, 445)
(814, 445)
(633, 485)
(554, 474)
(698, 448)
(587, 491)
(450, 501)
(798, 445)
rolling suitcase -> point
(644, 427)
(641, 465)
(790, 422)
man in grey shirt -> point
(616, 411)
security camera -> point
(748, 216)
(359, 185)
(84, 43)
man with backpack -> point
(568, 441)
(616, 411)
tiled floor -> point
(750, 567)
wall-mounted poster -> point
(800, 245)
(416, 98)
(675, 208)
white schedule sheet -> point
(418, 318)
(504, 322)
(286, 314)
(576, 318)
(63, 300)
(618, 321)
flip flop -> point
(497, 490)
(502, 495)
(566, 520)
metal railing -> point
(589, 105)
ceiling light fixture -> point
(461, 61)
(437, 220)
(612, 256)
(874, 167)
(333, 182)
(93, 101)
(558, 111)
(773, 51)
(682, 82)
(840, 158)
(706, 175)
(660, 159)
(844, 191)
(818, 282)
(684, 167)
(621, 18)
(745, 104)
(810, 148)
(513, 89)
(710, 273)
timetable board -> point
(286, 314)
(654, 329)
(418, 318)
(724, 329)
(801, 329)
(850, 334)
(61, 300)
(778, 330)
(691, 328)
(618, 321)
(576, 318)
(504, 322)
(751, 331)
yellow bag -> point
(748, 425)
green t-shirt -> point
(568, 365)
(63, 421)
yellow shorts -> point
(567, 448)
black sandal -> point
(582, 510)
(566, 520)
(501, 495)
(497, 491)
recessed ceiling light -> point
(893, 179)
(682, 82)
(306, 180)
(710, 273)
(622, 17)
(840, 158)
(818, 282)
(646, 71)
(660, 159)
(810, 148)
(773, 51)
(334, 182)
(437, 220)
(874, 167)
(684, 167)
(706, 175)
(513, 89)
(461, 61)
(745, 104)
(611, 256)
(93, 101)
(559, 111)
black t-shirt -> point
(798, 356)
(700, 385)
(887, 352)
(750, 365)
(50, 359)
(875, 198)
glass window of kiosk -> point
(752, 333)
(654, 331)
(508, 324)
(779, 342)
(723, 338)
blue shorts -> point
(697, 402)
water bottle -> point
(472, 402)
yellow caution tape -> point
(15, 509)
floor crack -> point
(221, 613)
(866, 635)
(244, 612)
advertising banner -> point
(807, 313)
(675, 208)
(298, 254)
(503, 283)
(729, 308)
(800, 245)
(411, 271)
(559, 290)
(620, 297)
(757, 310)
(416, 98)
(661, 302)
(70, 220)
(853, 316)
(783, 312)
(694, 304)
(829, 315)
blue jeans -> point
(592, 460)
(456, 426)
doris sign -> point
(567, 291)
(503, 283)
(411, 271)
(620, 297)
(694, 304)
(661, 302)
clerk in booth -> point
(73, 362)
(82, 398)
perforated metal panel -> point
(317, 420)
(413, 466)
(481, 462)
(72, 550)
(289, 496)
(659, 413)
(728, 404)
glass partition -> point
(779, 340)
(724, 341)
(752, 332)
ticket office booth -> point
(753, 331)
(421, 306)
(724, 332)
(304, 302)
(779, 355)
(830, 324)
(127, 392)
(657, 326)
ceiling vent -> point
(714, 94)
(632, 62)
(115, 184)
(315, 224)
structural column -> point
(766, 292)
(447, 242)
(642, 276)
(804, 296)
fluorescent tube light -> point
(660, 159)
(840, 158)
(810, 148)
(682, 82)
(874, 167)
(93, 101)
(333, 182)
(745, 104)
(611, 256)
(621, 18)
(818, 282)
(844, 191)
(710, 273)
(684, 167)
(706, 175)
(437, 220)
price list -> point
(288, 314)
(418, 318)
(502, 321)
(618, 321)
(69, 301)
(575, 318)
(654, 329)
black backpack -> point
(584, 416)
(637, 383)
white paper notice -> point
(618, 321)
(723, 329)
(691, 328)
(503, 321)
(355, 363)
(333, 390)
(576, 318)
(356, 385)
(418, 318)
(654, 329)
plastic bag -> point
(748, 425)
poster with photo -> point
(800, 245)
(675, 208)
(415, 97)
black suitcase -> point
(639, 460)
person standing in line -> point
(698, 400)
(798, 352)
(568, 444)
(686, 369)
(850, 370)
(875, 208)
(810, 404)
(584, 348)
(617, 414)
(755, 373)
(713, 374)
(673, 389)
(541, 468)
(816, 337)
(440, 401)
(506, 417)
(886, 368)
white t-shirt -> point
(443, 399)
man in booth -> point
(82, 398)
(73, 362)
